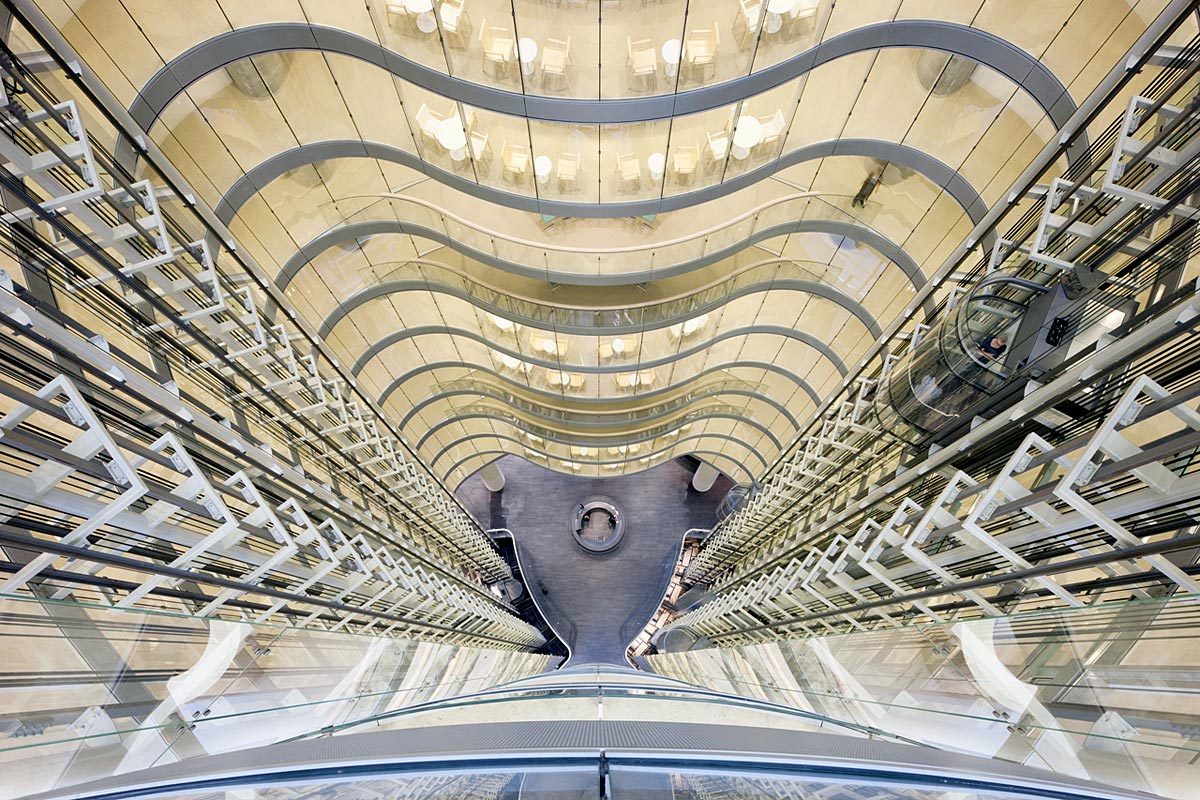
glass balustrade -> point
(584, 49)
(93, 691)
(1104, 693)
(672, 256)
(615, 778)
(520, 311)
(1108, 693)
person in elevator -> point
(992, 347)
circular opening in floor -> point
(597, 525)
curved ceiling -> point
(677, 266)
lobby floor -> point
(597, 603)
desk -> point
(657, 163)
(746, 135)
(672, 52)
(450, 135)
(527, 50)
(541, 169)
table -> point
(426, 22)
(541, 169)
(527, 50)
(776, 11)
(657, 162)
(672, 52)
(450, 135)
(746, 134)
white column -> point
(493, 478)
(706, 475)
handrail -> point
(568, 262)
(510, 693)
(597, 419)
(618, 319)
(572, 262)
(723, 280)
(605, 250)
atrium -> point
(609, 399)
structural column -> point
(492, 477)
(706, 475)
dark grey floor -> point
(598, 603)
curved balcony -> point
(507, 312)
(726, 453)
(540, 51)
(636, 434)
(587, 163)
(584, 420)
(508, 380)
(574, 262)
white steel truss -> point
(97, 482)
(791, 546)
(1124, 471)
(269, 525)
(50, 148)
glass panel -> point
(1095, 693)
(105, 691)
(681, 783)
(542, 783)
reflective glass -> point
(105, 691)
(1095, 693)
(583, 781)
